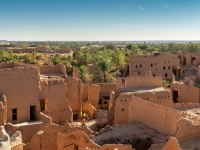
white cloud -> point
(166, 6)
(141, 8)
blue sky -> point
(96, 20)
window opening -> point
(14, 114)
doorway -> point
(75, 117)
(175, 96)
(32, 113)
(43, 104)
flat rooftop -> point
(143, 90)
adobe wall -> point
(159, 65)
(111, 110)
(186, 93)
(84, 92)
(106, 88)
(52, 69)
(41, 140)
(159, 118)
(78, 138)
(163, 98)
(121, 111)
(93, 94)
(63, 50)
(29, 129)
(57, 105)
(3, 109)
(10, 65)
(162, 119)
(138, 82)
(21, 86)
(74, 95)
(89, 109)
(175, 62)
(2, 120)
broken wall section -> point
(138, 82)
(56, 69)
(106, 88)
(162, 119)
(74, 96)
(53, 100)
(93, 94)
(3, 110)
(187, 93)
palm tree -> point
(84, 74)
(105, 72)
(2, 53)
(119, 59)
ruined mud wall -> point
(29, 129)
(3, 109)
(175, 62)
(10, 65)
(162, 119)
(21, 86)
(41, 140)
(93, 94)
(163, 98)
(75, 140)
(106, 88)
(84, 92)
(74, 95)
(57, 105)
(159, 65)
(121, 111)
(138, 82)
(186, 93)
(52, 69)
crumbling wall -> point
(21, 86)
(159, 65)
(4, 65)
(93, 94)
(41, 140)
(186, 93)
(106, 88)
(57, 105)
(111, 110)
(2, 111)
(28, 129)
(84, 92)
(160, 118)
(175, 62)
(76, 139)
(52, 69)
(74, 95)
(89, 109)
(138, 82)
(121, 112)
(163, 98)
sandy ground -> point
(130, 131)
